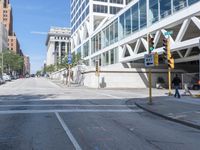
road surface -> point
(36, 114)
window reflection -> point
(153, 11)
(165, 8)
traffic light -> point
(151, 43)
(167, 53)
(171, 62)
(165, 48)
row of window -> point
(104, 9)
(112, 1)
(75, 6)
(80, 20)
(77, 13)
(131, 21)
(61, 38)
(107, 58)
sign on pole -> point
(149, 60)
(168, 33)
(69, 58)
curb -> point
(195, 126)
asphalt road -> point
(36, 114)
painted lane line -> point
(112, 96)
(72, 111)
(69, 134)
(66, 105)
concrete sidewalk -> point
(185, 110)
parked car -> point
(194, 83)
(6, 77)
(2, 81)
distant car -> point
(6, 77)
(27, 76)
(32, 75)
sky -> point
(30, 16)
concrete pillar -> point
(59, 51)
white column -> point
(59, 51)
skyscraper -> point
(88, 15)
(6, 15)
(58, 45)
(6, 18)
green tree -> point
(12, 62)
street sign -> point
(149, 60)
(168, 33)
(69, 58)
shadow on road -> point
(26, 97)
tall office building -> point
(6, 18)
(27, 65)
(118, 40)
(3, 38)
(6, 15)
(89, 15)
(58, 45)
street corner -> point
(173, 110)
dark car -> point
(195, 83)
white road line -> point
(71, 111)
(69, 134)
(112, 96)
(66, 105)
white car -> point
(2, 81)
(6, 77)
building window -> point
(114, 10)
(165, 8)
(143, 13)
(135, 16)
(86, 49)
(100, 8)
(117, 1)
(179, 4)
(128, 22)
(153, 11)
(190, 2)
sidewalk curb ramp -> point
(186, 123)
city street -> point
(37, 114)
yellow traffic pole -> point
(150, 85)
(150, 75)
(169, 79)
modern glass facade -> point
(79, 11)
(137, 17)
(107, 58)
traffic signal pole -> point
(169, 80)
(150, 73)
(169, 57)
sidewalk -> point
(185, 110)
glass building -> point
(138, 15)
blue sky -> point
(38, 16)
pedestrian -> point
(176, 82)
